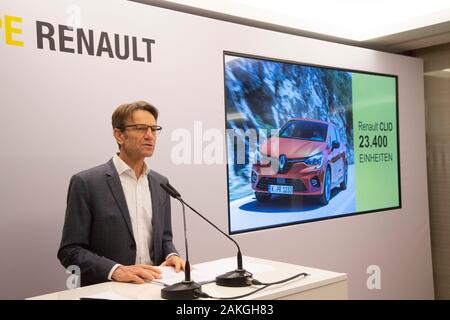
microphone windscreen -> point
(168, 190)
(175, 192)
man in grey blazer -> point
(118, 220)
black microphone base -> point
(181, 291)
(236, 278)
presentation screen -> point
(307, 142)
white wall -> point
(56, 110)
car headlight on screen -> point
(315, 160)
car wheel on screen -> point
(325, 197)
(343, 184)
(262, 197)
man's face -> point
(136, 143)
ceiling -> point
(387, 25)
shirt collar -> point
(122, 167)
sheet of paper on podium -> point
(169, 276)
(207, 272)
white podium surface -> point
(320, 284)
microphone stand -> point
(236, 278)
(185, 290)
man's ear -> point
(119, 136)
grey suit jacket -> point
(97, 231)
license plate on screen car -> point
(275, 188)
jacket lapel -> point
(157, 217)
(156, 201)
(117, 191)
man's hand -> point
(174, 261)
(136, 273)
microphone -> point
(237, 278)
(185, 290)
(173, 193)
(176, 194)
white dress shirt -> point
(139, 203)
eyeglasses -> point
(143, 128)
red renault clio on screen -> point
(306, 158)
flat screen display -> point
(307, 143)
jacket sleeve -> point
(75, 242)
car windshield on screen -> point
(304, 130)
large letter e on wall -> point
(10, 30)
